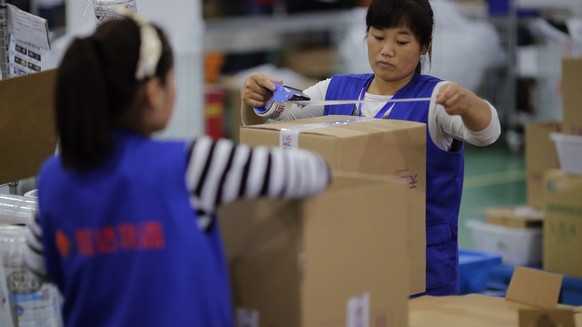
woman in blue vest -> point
(126, 223)
(399, 36)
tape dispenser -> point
(283, 99)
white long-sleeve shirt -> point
(443, 128)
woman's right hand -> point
(257, 89)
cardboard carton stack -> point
(392, 148)
(563, 223)
(540, 156)
(351, 256)
(562, 192)
(516, 232)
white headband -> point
(150, 49)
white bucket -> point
(569, 148)
(517, 246)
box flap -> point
(534, 287)
(27, 132)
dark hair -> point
(95, 84)
(417, 15)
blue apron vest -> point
(126, 236)
(444, 176)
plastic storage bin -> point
(569, 148)
(517, 246)
(474, 268)
(571, 293)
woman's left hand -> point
(455, 98)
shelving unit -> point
(3, 40)
(247, 34)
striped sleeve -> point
(33, 252)
(221, 171)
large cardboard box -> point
(27, 129)
(392, 148)
(337, 259)
(531, 300)
(540, 155)
(572, 97)
(562, 250)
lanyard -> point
(382, 111)
(363, 94)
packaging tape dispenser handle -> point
(275, 106)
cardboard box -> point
(232, 112)
(322, 261)
(27, 129)
(384, 147)
(515, 217)
(540, 155)
(572, 97)
(477, 310)
(531, 301)
(562, 244)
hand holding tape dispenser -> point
(283, 96)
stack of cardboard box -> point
(351, 256)
(562, 192)
(506, 230)
(555, 192)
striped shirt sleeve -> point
(33, 252)
(221, 171)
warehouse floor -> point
(494, 177)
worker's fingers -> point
(268, 82)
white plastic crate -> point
(569, 148)
(517, 246)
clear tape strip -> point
(289, 137)
(340, 102)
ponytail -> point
(83, 123)
(97, 83)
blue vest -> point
(123, 245)
(444, 176)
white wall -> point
(183, 22)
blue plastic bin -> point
(474, 268)
(571, 291)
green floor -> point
(494, 177)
